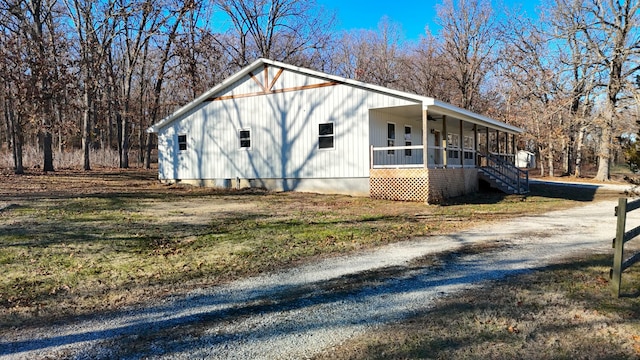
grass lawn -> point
(565, 311)
(81, 243)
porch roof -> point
(437, 108)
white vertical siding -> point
(284, 132)
(378, 128)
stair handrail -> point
(515, 175)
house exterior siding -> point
(283, 126)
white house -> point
(283, 127)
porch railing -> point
(397, 157)
(505, 172)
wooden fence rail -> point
(622, 236)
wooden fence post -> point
(618, 245)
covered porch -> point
(439, 151)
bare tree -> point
(530, 85)
(274, 29)
(580, 81)
(371, 56)
(33, 19)
(140, 21)
(95, 32)
(609, 30)
(427, 72)
(469, 44)
(172, 25)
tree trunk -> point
(17, 140)
(550, 160)
(147, 154)
(124, 143)
(140, 143)
(19, 168)
(604, 152)
(579, 146)
(86, 128)
(110, 121)
(47, 148)
(7, 123)
(541, 162)
(566, 156)
(60, 140)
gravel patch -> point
(299, 312)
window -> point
(325, 136)
(407, 140)
(468, 148)
(453, 145)
(391, 137)
(453, 141)
(468, 142)
(245, 139)
(182, 142)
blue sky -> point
(413, 15)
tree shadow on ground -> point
(488, 195)
(553, 312)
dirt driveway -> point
(299, 312)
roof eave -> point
(426, 101)
(452, 110)
(207, 94)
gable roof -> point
(428, 103)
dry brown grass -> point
(76, 242)
(565, 311)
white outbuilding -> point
(525, 159)
(287, 128)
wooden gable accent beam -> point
(275, 78)
(267, 86)
(257, 81)
(277, 91)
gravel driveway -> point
(297, 313)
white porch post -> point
(445, 138)
(513, 147)
(425, 136)
(475, 145)
(486, 131)
(506, 144)
(461, 145)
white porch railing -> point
(398, 157)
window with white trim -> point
(245, 138)
(453, 146)
(468, 147)
(407, 140)
(391, 137)
(326, 136)
(182, 142)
